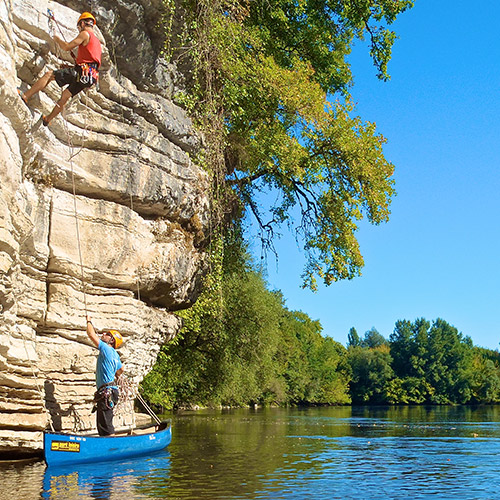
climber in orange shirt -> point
(83, 75)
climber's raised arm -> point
(92, 333)
(82, 38)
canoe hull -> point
(63, 448)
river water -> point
(313, 453)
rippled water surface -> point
(320, 453)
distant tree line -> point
(240, 345)
(422, 363)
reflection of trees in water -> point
(241, 453)
(422, 421)
(231, 452)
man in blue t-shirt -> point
(108, 368)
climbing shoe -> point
(22, 96)
(45, 121)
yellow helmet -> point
(84, 16)
(118, 338)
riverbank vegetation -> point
(241, 345)
(268, 85)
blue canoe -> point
(62, 448)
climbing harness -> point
(77, 421)
(72, 154)
(87, 73)
(106, 397)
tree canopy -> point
(270, 88)
(240, 345)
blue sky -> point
(438, 255)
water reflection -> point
(106, 480)
(21, 479)
(320, 453)
(339, 453)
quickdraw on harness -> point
(88, 73)
(105, 397)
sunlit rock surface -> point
(102, 212)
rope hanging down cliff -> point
(85, 21)
(126, 392)
(81, 21)
(52, 21)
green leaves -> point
(240, 345)
(263, 74)
(422, 363)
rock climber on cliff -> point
(108, 368)
(82, 75)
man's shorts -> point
(71, 76)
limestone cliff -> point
(101, 211)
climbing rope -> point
(126, 398)
(77, 226)
(128, 394)
(126, 391)
(77, 420)
(52, 21)
(148, 409)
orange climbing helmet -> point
(85, 16)
(118, 338)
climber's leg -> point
(58, 107)
(39, 85)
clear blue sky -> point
(438, 256)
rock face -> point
(101, 213)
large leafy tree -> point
(271, 85)
(449, 363)
(437, 364)
(314, 368)
(409, 348)
(240, 345)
